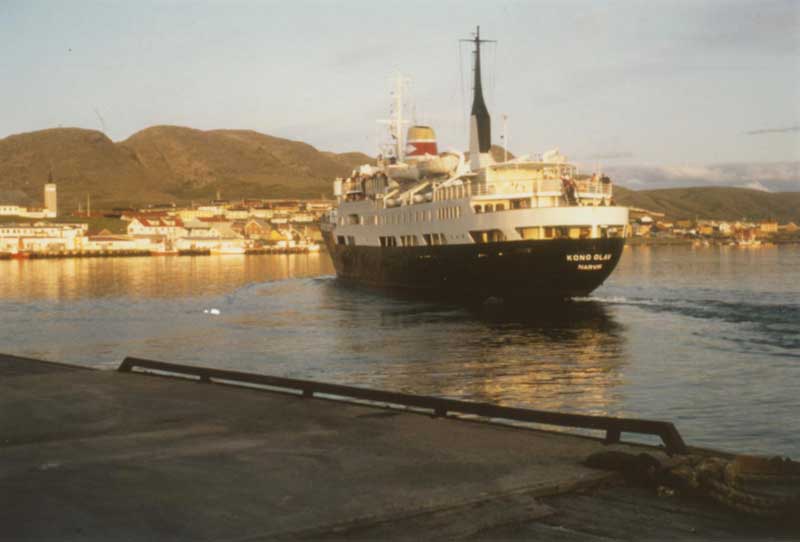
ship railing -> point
(584, 188)
(437, 406)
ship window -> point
(434, 239)
(340, 240)
(500, 207)
(530, 233)
(489, 208)
(487, 236)
(520, 203)
(478, 209)
(408, 240)
(388, 241)
(351, 240)
(579, 232)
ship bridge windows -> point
(487, 236)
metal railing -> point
(614, 427)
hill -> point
(193, 164)
(714, 202)
(82, 162)
(178, 164)
(164, 164)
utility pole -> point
(505, 138)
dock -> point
(91, 454)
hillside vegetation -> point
(717, 202)
(164, 164)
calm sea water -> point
(706, 337)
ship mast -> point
(398, 118)
(480, 135)
(396, 121)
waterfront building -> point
(211, 235)
(42, 237)
(768, 227)
(170, 227)
(12, 210)
(261, 212)
(108, 242)
(302, 218)
(257, 228)
(791, 227)
(236, 213)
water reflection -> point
(705, 337)
(148, 277)
(566, 356)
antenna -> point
(100, 117)
(396, 120)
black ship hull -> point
(513, 271)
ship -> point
(467, 226)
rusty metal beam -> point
(614, 427)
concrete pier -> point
(101, 455)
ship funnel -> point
(421, 141)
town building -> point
(51, 199)
(42, 237)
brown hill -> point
(241, 163)
(714, 202)
(82, 161)
(164, 163)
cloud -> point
(612, 155)
(772, 176)
(755, 185)
(795, 128)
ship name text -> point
(588, 257)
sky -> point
(656, 93)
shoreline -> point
(147, 253)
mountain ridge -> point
(165, 163)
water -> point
(706, 337)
